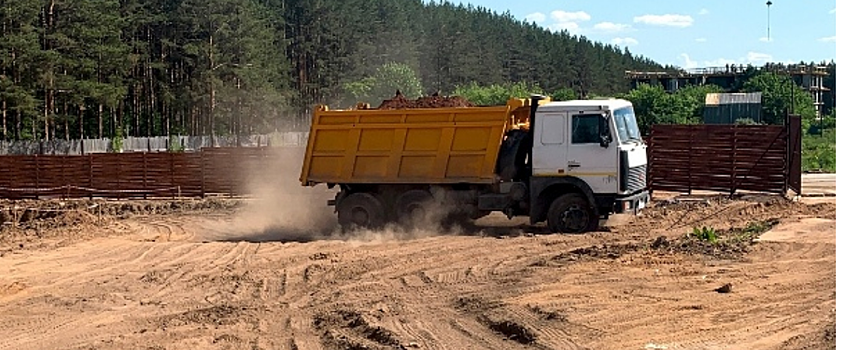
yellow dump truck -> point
(568, 163)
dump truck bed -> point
(405, 146)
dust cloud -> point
(282, 210)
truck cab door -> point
(589, 157)
(549, 151)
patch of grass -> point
(748, 233)
(759, 227)
(705, 233)
(752, 231)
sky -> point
(692, 33)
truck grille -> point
(636, 179)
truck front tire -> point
(361, 210)
(571, 213)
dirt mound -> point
(731, 244)
(401, 102)
(362, 335)
(678, 216)
(511, 330)
(825, 338)
(613, 251)
(41, 223)
(72, 212)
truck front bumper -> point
(632, 204)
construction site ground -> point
(272, 273)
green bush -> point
(175, 145)
(117, 141)
(818, 152)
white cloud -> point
(536, 17)
(704, 12)
(828, 39)
(564, 16)
(571, 27)
(701, 40)
(624, 41)
(758, 58)
(753, 58)
(563, 20)
(766, 39)
(609, 27)
(720, 62)
(670, 20)
(687, 62)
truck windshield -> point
(626, 124)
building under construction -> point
(731, 78)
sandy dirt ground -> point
(216, 274)
(272, 273)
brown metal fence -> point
(682, 158)
(130, 175)
(724, 158)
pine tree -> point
(19, 65)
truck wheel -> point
(413, 207)
(361, 210)
(571, 213)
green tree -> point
(692, 100)
(564, 94)
(780, 95)
(85, 68)
(495, 94)
(653, 105)
(384, 83)
(396, 76)
(19, 67)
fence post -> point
(202, 173)
(239, 155)
(734, 159)
(650, 163)
(689, 159)
(119, 177)
(144, 159)
(173, 173)
(793, 158)
(63, 179)
(90, 175)
(37, 176)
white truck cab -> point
(592, 148)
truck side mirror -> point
(604, 132)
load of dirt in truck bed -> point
(435, 101)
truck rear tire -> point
(361, 210)
(414, 207)
(571, 213)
